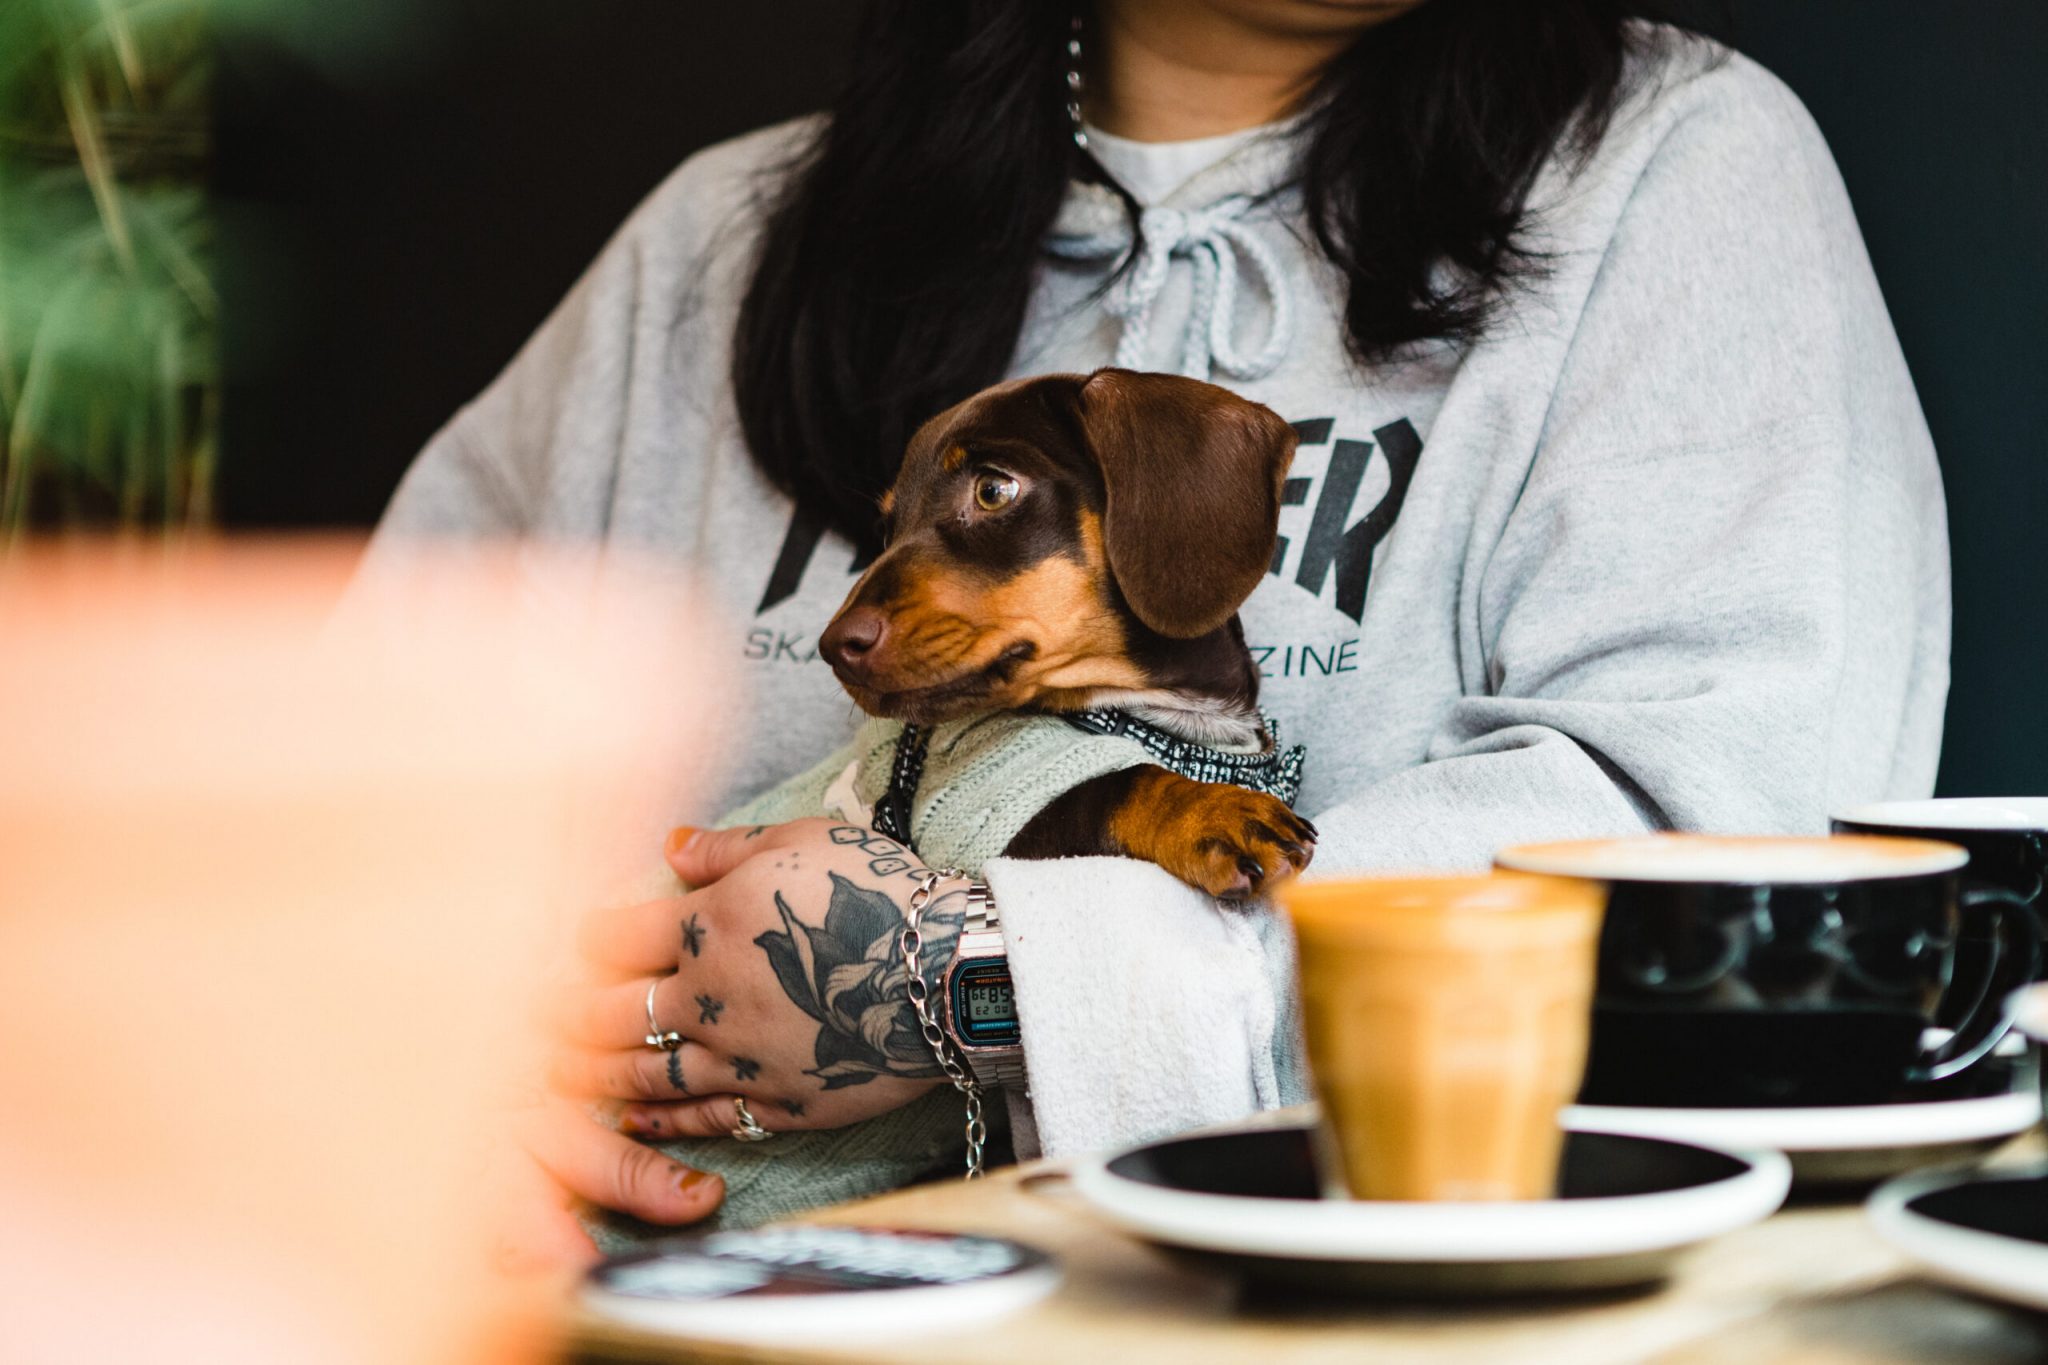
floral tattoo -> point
(848, 975)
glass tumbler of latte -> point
(1446, 1019)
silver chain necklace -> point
(1074, 83)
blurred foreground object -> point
(274, 892)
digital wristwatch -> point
(979, 1010)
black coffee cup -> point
(2005, 836)
(1768, 972)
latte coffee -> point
(1754, 860)
(1446, 1020)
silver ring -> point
(748, 1131)
(659, 1039)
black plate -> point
(2005, 1206)
(1279, 1163)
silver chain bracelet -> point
(949, 1059)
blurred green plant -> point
(109, 392)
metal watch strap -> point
(982, 928)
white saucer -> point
(1845, 1143)
(798, 1284)
(1948, 1239)
(1629, 1203)
(1859, 1127)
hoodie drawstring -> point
(1213, 238)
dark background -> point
(406, 197)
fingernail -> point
(632, 1124)
(689, 1181)
(679, 839)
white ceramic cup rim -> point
(1975, 814)
(2029, 1008)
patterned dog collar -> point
(1273, 770)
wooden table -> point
(1812, 1285)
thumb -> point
(701, 856)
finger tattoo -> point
(693, 936)
(675, 1072)
(708, 1009)
(745, 1068)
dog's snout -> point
(852, 639)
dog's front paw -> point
(1247, 842)
(1228, 841)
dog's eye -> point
(993, 492)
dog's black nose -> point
(853, 636)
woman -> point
(1614, 509)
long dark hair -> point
(900, 253)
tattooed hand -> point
(783, 973)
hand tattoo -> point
(675, 1072)
(886, 856)
(745, 1068)
(793, 1108)
(693, 936)
(708, 1009)
(848, 974)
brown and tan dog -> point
(1080, 542)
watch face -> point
(985, 1003)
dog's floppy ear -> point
(1193, 475)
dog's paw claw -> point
(1248, 843)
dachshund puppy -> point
(1049, 653)
(1078, 545)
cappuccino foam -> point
(1754, 860)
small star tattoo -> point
(675, 1073)
(693, 936)
(746, 1068)
(708, 1010)
(793, 1108)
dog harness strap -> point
(1274, 770)
(892, 810)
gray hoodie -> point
(1665, 549)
